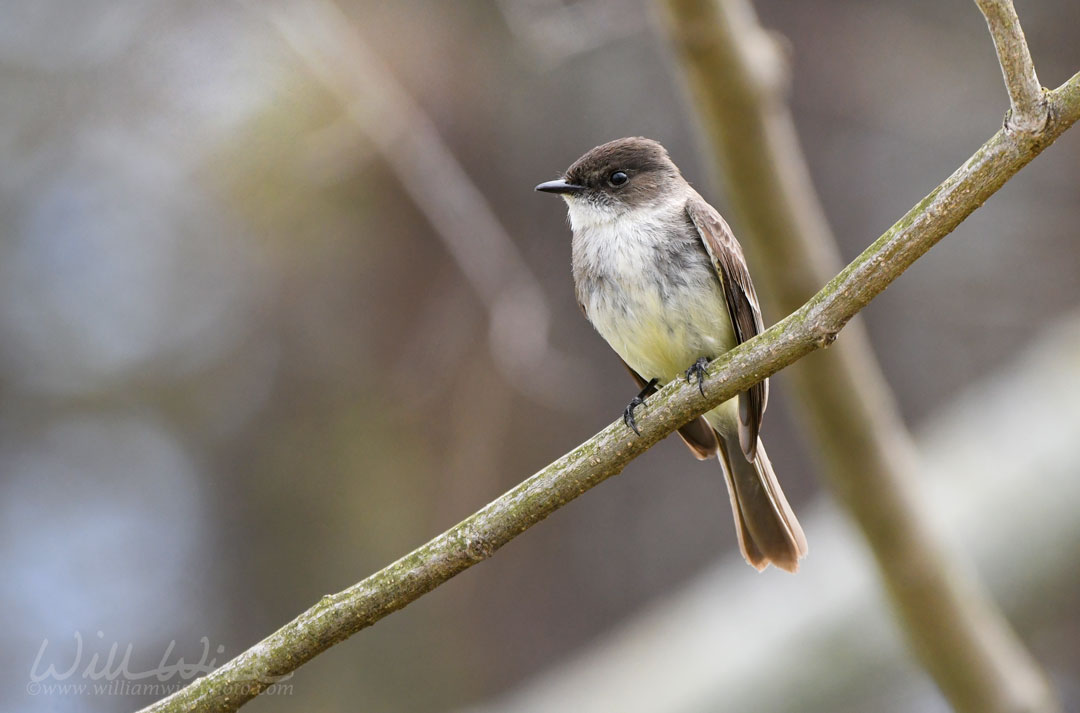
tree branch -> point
(736, 76)
(684, 651)
(337, 616)
(1029, 110)
(379, 107)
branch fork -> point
(1029, 110)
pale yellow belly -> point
(660, 345)
(661, 338)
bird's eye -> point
(618, 178)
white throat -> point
(584, 214)
(620, 239)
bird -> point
(659, 274)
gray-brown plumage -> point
(659, 274)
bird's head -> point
(616, 178)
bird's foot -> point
(697, 369)
(628, 412)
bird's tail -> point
(767, 529)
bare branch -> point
(866, 452)
(1029, 110)
(338, 616)
(688, 646)
(376, 104)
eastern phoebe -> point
(660, 276)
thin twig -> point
(377, 105)
(865, 451)
(1028, 110)
(338, 616)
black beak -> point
(559, 186)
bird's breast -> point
(653, 296)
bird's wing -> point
(742, 303)
(698, 435)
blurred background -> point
(240, 368)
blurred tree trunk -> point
(738, 78)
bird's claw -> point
(698, 369)
(628, 413)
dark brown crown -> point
(634, 155)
